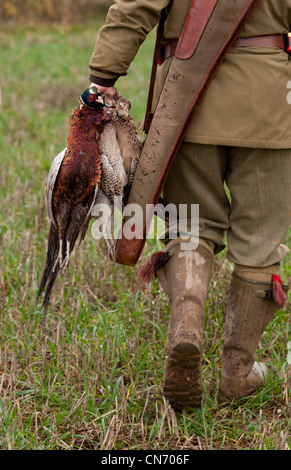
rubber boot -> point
(251, 306)
(185, 278)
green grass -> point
(92, 378)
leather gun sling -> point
(210, 29)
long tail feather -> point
(56, 263)
(50, 284)
(52, 253)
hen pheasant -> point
(96, 167)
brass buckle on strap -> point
(287, 43)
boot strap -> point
(267, 294)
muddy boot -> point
(251, 306)
(185, 278)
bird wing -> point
(112, 182)
(132, 170)
(113, 173)
(50, 183)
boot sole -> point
(182, 382)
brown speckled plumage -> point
(99, 162)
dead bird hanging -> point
(97, 165)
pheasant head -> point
(92, 99)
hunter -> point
(239, 138)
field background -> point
(92, 378)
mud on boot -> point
(182, 379)
(185, 278)
(252, 303)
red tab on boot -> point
(279, 295)
(147, 272)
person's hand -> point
(102, 89)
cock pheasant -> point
(97, 165)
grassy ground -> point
(92, 379)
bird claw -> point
(111, 254)
(110, 251)
(65, 266)
(110, 247)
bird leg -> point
(66, 261)
(110, 245)
(59, 258)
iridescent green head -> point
(92, 99)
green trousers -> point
(244, 198)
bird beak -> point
(100, 100)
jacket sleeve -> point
(127, 24)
